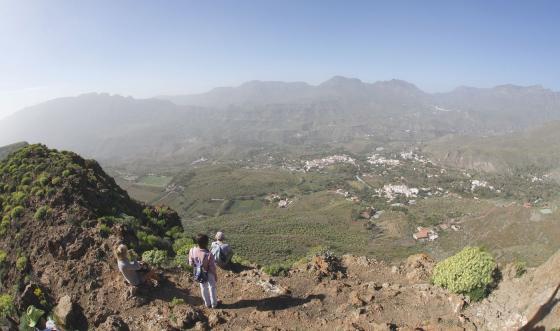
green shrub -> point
(104, 229)
(276, 269)
(3, 256)
(469, 272)
(37, 191)
(26, 181)
(175, 232)
(17, 212)
(55, 181)
(155, 257)
(42, 213)
(183, 243)
(181, 259)
(4, 225)
(21, 263)
(147, 241)
(43, 179)
(19, 197)
(520, 268)
(66, 173)
(237, 259)
(6, 305)
(176, 302)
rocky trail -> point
(356, 294)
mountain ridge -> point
(233, 122)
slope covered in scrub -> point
(60, 217)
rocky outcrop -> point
(527, 302)
(69, 315)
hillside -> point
(5, 151)
(62, 216)
(534, 151)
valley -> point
(275, 209)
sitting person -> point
(221, 251)
(135, 273)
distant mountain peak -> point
(341, 81)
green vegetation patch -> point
(469, 272)
(21, 263)
(42, 213)
(7, 307)
(276, 236)
(155, 257)
(155, 180)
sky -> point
(58, 48)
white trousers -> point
(208, 292)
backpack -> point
(199, 274)
(220, 256)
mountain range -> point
(234, 120)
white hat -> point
(220, 236)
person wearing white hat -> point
(222, 251)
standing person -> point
(205, 270)
(221, 251)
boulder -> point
(419, 267)
(69, 315)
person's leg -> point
(213, 291)
(205, 295)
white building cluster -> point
(391, 191)
(327, 161)
(377, 159)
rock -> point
(354, 299)
(271, 287)
(78, 248)
(69, 315)
(368, 297)
(359, 311)
(457, 303)
(114, 323)
(377, 307)
(419, 267)
(185, 317)
(215, 319)
(201, 326)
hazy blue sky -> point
(145, 48)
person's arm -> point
(191, 258)
(131, 266)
